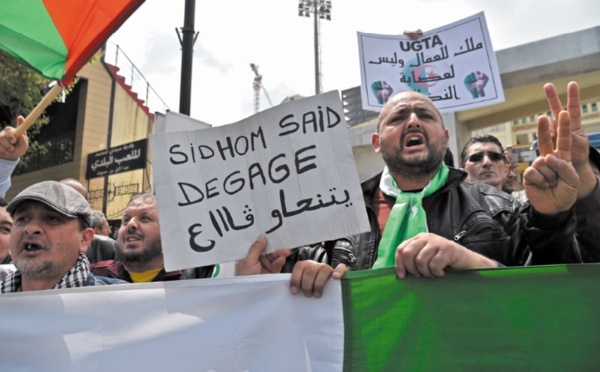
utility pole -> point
(187, 42)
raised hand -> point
(551, 182)
(579, 141)
(11, 146)
(580, 144)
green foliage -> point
(21, 89)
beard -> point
(150, 252)
(422, 165)
(35, 270)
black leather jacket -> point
(477, 216)
(102, 248)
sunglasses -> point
(477, 157)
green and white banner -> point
(540, 318)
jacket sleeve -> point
(587, 233)
(316, 252)
(550, 238)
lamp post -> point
(187, 52)
(321, 9)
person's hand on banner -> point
(413, 35)
(254, 263)
(310, 277)
(13, 147)
(429, 255)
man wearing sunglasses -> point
(424, 218)
(483, 160)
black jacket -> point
(477, 216)
(102, 248)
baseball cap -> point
(62, 198)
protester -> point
(50, 234)
(96, 222)
(140, 255)
(510, 181)
(78, 186)
(100, 224)
(451, 223)
(484, 161)
(6, 223)
(585, 160)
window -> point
(532, 118)
(584, 109)
(594, 107)
(524, 120)
(516, 122)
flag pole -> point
(37, 111)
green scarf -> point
(407, 217)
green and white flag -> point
(537, 318)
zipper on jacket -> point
(458, 236)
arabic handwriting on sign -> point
(305, 205)
(225, 221)
(470, 46)
(194, 232)
(450, 94)
(276, 213)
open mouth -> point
(412, 140)
(32, 247)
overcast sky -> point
(270, 33)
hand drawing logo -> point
(475, 82)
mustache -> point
(411, 132)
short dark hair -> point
(483, 138)
(3, 202)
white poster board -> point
(454, 65)
(287, 172)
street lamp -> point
(321, 10)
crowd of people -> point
(425, 214)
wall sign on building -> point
(117, 159)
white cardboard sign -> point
(287, 172)
(455, 65)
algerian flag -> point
(539, 318)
